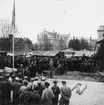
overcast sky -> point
(78, 17)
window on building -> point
(55, 36)
(58, 36)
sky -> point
(80, 18)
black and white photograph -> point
(51, 52)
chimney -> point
(10, 37)
(53, 31)
(45, 29)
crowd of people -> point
(15, 90)
(58, 64)
(25, 87)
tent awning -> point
(100, 41)
(51, 53)
(86, 53)
(37, 53)
(45, 53)
(68, 55)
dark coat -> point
(16, 88)
(26, 100)
(35, 98)
(56, 91)
(5, 89)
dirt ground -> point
(75, 75)
(93, 95)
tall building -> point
(58, 41)
(100, 33)
(92, 44)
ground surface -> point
(75, 75)
(93, 95)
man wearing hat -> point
(16, 86)
(1, 79)
(26, 96)
(56, 91)
(5, 88)
(47, 95)
(35, 83)
(30, 83)
(26, 78)
(22, 89)
(65, 94)
(35, 97)
(43, 79)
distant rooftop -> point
(101, 28)
(55, 33)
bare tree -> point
(77, 44)
(6, 28)
(35, 47)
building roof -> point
(86, 53)
(38, 53)
(45, 53)
(94, 40)
(17, 39)
(64, 35)
(55, 33)
(100, 41)
(101, 28)
(71, 50)
(51, 33)
(51, 53)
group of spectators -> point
(24, 87)
(32, 91)
(58, 64)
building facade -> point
(57, 41)
(20, 46)
(92, 44)
(100, 33)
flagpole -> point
(13, 51)
(13, 27)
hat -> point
(13, 75)
(25, 82)
(36, 78)
(36, 88)
(32, 79)
(47, 84)
(1, 77)
(25, 77)
(43, 79)
(7, 75)
(21, 65)
(39, 82)
(55, 81)
(19, 74)
(63, 81)
(29, 87)
(17, 79)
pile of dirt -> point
(75, 75)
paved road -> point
(93, 95)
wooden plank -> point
(101, 73)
